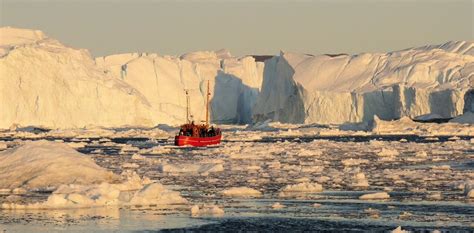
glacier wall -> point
(234, 84)
(44, 83)
(300, 88)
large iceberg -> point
(45, 83)
(234, 83)
(336, 89)
(47, 165)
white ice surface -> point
(301, 88)
(56, 86)
(407, 126)
(375, 196)
(130, 192)
(47, 165)
(241, 192)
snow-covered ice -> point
(204, 168)
(200, 210)
(63, 87)
(375, 196)
(302, 88)
(47, 165)
(257, 174)
(55, 86)
(241, 192)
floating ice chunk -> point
(278, 205)
(130, 165)
(454, 138)
(44, 164)
(375, 196)
(434, 196)
(432, 139)
(300, 188)
(441, 167)
(399, 230)
(137, 156)
(353, 162)
(421, 154)
(128, 149)
(359, 176)
(375, 142)
(322, 179)
(156, 194)
(302, 179)
(241, 192)
(360, 181)
(373, 213)
(312, 169)
(191, 168)
(253, 167)
(206, 210)
(273, 165)
(105, 194)
(159, 150)
(388, 153)
(19, 191)
(5, 191)
(194, 210)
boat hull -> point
(196, 141)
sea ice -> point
(374, 196)
(388, 152)
(184, 168)
(306, 187)
(241, 192)
(399, 230)
(278, 205)
(47, 165)
(200, 210)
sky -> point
(243, 27)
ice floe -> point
(47, 165)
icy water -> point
(424, 177)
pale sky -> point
(244, 27)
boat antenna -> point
(187, 106)
(207, 104)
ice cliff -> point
(234, 83)
(300, 88)
(45, 83)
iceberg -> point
(45, 165)
(49, 85)
(45, 83)
(337, 89)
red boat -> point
(198, 135)
(182, 140)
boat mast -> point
(207, 104)
(187, 106)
